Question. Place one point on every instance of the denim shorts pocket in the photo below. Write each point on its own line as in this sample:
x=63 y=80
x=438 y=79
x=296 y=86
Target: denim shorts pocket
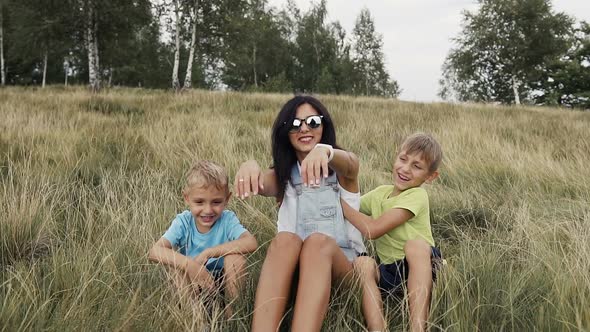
x=323 y=226
x=328 y=211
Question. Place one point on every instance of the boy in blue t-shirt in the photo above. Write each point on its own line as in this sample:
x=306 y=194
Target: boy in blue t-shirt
x=205 y=240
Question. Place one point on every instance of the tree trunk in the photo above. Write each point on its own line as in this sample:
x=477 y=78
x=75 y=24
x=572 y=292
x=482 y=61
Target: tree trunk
x=111 y=70
x=189 y=67
x=254 y=65
x=92 y=46
x=175 y=81
x=44 y=69
x=2 y=69
x=515 y=90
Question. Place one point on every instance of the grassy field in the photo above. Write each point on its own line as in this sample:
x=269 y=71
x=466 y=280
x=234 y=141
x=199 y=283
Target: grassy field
x=88 y=183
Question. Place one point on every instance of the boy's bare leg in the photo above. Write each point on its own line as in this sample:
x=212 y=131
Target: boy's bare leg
x=418 y=254
x=275 y=280
x=234 y=267
x=235 y=271
x=366 y=268
x=203 y=282
x=321 y=261
x=180 y=282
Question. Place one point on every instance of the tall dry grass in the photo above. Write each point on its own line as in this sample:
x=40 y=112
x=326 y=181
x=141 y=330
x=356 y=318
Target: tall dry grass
x=88 y=183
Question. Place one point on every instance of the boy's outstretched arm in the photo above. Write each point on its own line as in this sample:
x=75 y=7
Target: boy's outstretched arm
x=245 y=244
x=373 y=228
x=162 y=252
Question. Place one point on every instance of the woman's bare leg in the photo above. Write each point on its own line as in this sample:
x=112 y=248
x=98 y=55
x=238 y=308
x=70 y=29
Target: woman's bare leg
x=275 y=280
x=321 y=261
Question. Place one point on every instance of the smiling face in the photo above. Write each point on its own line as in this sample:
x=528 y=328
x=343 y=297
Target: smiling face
x=306 y=138
x=206 y=205
x=411 y=170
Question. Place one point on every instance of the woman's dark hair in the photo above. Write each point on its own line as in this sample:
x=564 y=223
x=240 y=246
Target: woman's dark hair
x=283 y=154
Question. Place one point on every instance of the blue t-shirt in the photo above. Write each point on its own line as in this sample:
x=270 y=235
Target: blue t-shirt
x=184 y=236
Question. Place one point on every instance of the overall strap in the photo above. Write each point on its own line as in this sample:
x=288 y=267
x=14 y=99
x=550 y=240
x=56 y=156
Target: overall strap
x=332 y=181
x=296 y=179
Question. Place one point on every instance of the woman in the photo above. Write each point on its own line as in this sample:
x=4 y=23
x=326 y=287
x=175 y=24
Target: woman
x=312 y=233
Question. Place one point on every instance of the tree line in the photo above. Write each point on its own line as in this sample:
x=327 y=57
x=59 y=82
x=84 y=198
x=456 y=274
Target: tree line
x=514 y=52
x=243 y=45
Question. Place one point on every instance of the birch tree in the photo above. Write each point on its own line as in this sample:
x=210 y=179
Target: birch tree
x=2 y=68
x=502 y=50
x=195 y=4
x=94 y=79
x=177 y=31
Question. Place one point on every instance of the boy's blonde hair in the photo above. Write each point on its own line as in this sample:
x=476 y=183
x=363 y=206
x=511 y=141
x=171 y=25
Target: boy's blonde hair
x=427 y=145
x=206 y=173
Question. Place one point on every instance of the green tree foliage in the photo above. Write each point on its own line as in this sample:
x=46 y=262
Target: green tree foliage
x=213 y=21
x=129 y=48
x=315 y=48
x=255 y=49
x=127 y=42
x=369 y=61
x=37 y=30
x=503 y=49
x=567 y=80
x=321 y=53
x=238 y=44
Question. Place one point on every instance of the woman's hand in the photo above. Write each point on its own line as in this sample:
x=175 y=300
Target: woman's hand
x=314 y=166
x=249 y=179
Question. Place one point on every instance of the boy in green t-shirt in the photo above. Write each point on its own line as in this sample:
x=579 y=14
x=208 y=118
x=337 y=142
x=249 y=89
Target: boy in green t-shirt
x=397 y=217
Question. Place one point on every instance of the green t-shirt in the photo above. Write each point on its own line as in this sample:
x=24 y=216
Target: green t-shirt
x=390 y=246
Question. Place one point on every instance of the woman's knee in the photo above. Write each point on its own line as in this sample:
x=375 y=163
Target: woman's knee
x=318 y=245
x=417 y=250
x=285 y=243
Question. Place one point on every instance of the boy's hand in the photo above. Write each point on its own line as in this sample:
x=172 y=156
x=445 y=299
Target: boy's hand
x=201 y=259
x=194 y=267
x=248 y=179
x=198 y=274
x=346 y=209
x=314 y=166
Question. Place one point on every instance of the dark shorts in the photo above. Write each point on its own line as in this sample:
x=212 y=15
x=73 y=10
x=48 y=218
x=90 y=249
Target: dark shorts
x=216 y=270
x=393 y=276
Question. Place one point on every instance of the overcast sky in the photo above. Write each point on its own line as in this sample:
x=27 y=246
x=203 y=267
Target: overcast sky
x=417 y=34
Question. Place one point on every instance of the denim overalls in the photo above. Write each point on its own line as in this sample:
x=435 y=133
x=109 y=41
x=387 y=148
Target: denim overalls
x=319 y=211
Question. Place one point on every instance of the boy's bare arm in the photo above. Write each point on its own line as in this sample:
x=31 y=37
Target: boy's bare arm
x=245 y=244
x=373 y=228
x=162 y=252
